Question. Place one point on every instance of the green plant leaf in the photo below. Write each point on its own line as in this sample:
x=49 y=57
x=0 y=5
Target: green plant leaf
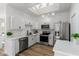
x=9 y=33
x=75 y=35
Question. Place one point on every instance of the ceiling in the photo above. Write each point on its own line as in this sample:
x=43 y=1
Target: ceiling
x=25 y=7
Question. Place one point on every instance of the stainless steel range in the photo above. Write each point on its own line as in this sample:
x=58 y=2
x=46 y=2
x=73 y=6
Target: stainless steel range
x=45 y=32
x=44 y=36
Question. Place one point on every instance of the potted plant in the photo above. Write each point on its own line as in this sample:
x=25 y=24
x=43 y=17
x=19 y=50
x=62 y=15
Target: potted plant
x=75 y=38
x=9 y=33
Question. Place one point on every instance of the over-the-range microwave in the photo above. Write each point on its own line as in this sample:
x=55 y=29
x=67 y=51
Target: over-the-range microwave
x=46 y=26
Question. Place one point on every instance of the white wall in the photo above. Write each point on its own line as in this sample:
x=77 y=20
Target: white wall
x=2 y=10
x=75 y=19
x=2 y=15
x=2 y=20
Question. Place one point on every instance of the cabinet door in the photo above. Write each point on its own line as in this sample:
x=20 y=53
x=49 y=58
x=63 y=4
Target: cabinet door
x=16 y=46
x=30 y=39
x=38 y=38
x=34 y=39
x=1 y=42
x=10 y=47
x=50 y=39
x=15 y=22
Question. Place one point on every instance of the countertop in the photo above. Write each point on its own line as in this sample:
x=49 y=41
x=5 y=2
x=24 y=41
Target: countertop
x=66 y=48
x=19 y=36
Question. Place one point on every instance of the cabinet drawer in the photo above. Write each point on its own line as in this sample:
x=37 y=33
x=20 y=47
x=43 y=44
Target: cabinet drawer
x=30 y=41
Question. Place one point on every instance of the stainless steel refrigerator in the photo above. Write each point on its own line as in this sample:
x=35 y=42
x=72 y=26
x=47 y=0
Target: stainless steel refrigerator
x=65 y=31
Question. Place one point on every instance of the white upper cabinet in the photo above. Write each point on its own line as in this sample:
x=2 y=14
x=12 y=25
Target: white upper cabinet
x=16 y=22
x=15 y=18
x=35 y=26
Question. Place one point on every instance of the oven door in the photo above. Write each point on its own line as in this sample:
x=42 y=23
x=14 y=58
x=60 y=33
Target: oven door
x=43 y=38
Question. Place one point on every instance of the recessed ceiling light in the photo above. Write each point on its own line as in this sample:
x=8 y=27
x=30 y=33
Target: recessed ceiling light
x=43 y=16
x=38 y=6
x=33 y=8
x=53 y=14
x=50 y=4
x=42 y=5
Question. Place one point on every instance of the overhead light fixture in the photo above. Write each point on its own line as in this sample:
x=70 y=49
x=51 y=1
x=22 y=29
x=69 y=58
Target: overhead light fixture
x=38 y=6
x=43 y=16
x=44 y=8
x=50 y=4
x=33 y=8
x=42 y=5
x=52 y=13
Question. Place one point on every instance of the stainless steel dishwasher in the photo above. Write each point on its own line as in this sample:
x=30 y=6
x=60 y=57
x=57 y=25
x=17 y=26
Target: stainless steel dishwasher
x=23 y=43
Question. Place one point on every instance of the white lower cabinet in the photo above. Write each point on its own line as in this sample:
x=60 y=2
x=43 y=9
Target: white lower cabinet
x=16 y=46
x=1 y=42
x=33 y=39
x=37 y=38
x=11 y=47
x=30 y=41
x=51 y=39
